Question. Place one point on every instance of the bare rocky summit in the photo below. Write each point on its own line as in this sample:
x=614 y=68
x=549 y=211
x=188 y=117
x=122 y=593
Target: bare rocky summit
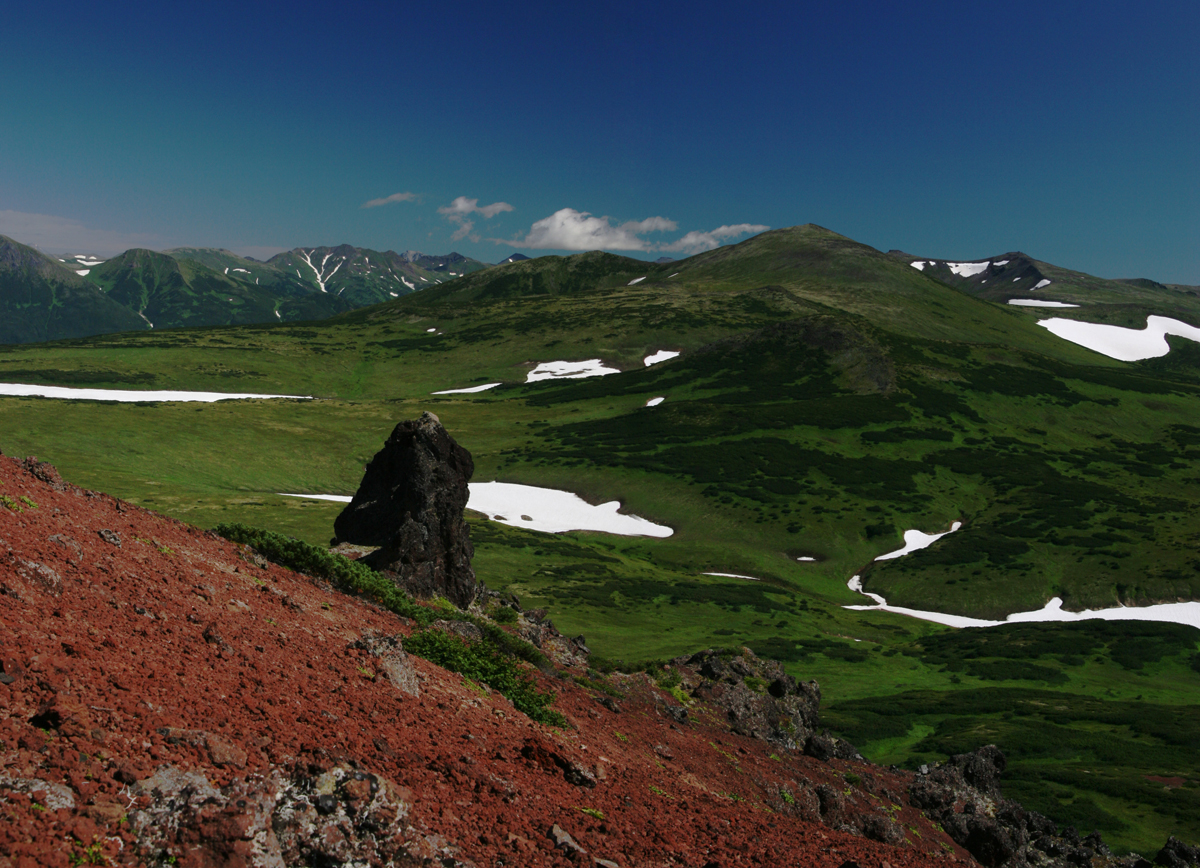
x=410 y=503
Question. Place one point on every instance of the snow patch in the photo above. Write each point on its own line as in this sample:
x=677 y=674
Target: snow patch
x=1037 y=302
x=336 y=498
x=1042 y=283
x=676 y=274
x=482 y=388
x=1167 y=613
x=654 y=402
x=1001 y=262
x=427 y=331
x=569 y=370
x=915 y=539
x=128 y=395
x=636 y=280
x=409 y=285
x=1127 y=345
x=919 y=266
x=968 y=269
x=733 y=576
x=553 y=511
x=81 y=272
x=806 y=559
x=660 y=356
x=243 y=270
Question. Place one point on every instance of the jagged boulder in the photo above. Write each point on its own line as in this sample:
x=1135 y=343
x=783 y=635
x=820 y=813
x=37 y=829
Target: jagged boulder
x=410 y=503
x=759 y=699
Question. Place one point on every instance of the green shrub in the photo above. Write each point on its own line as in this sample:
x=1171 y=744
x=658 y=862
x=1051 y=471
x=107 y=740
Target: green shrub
x=485 y=663
x=344 y=574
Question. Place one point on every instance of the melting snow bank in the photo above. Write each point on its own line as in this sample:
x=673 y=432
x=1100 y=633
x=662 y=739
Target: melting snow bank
x=128 y=395
x=660 y=356
x=855 y=584
x=545 y=509
x=915 y=539
x=1037 y=302
x=1169 y=613
x=1127 y=345
x=482 y=388
x=569 y=370
x=554 y=511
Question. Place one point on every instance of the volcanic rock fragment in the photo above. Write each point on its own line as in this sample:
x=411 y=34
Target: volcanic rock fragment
x=410 y=503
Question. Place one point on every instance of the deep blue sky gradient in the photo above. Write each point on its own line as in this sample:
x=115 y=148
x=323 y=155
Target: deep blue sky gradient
x=957 y=130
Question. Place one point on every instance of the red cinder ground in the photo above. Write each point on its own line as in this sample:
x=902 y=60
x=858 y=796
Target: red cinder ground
x=105 y=648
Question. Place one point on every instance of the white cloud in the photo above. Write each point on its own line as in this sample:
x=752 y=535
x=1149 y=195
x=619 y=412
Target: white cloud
x=63 y=235
x=569 y=229
x=698 y=242
x=460 y=210
x=387 y=200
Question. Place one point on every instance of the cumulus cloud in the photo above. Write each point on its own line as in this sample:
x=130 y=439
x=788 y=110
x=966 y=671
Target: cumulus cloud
x=698 y=242
x=460 y=210
x=569 y=229
x=387 y=200
x=50 y=233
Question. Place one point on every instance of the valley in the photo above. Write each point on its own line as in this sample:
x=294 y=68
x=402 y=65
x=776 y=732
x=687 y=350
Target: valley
x=819 y=398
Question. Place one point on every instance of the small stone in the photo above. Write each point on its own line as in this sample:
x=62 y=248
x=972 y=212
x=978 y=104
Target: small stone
x=110 y=536
x=565 y=842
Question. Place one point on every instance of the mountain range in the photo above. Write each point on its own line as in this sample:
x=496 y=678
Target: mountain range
x=45 y=298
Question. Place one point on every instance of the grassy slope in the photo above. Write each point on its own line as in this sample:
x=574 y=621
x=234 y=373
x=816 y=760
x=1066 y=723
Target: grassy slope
x=894 y=402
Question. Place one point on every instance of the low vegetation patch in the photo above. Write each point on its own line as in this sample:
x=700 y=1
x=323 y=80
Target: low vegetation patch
x=493 y=661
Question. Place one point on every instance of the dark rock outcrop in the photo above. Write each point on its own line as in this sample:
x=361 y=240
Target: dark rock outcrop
x=963 y=795
x=410 y=503
x=759 y=699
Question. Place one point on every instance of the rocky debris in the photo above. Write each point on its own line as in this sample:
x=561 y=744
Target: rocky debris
x=539 y=754
x=824 y=747
x=109 y=536
x=536 y=629
x=1176 y=854
x=339 y=816
x=410 y=503
x=757 y=696
x=45 y=471
x=566 y=843
x=392 y=661
x=963 y=795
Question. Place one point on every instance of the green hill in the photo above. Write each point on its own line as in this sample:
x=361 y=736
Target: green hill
x=41 y=300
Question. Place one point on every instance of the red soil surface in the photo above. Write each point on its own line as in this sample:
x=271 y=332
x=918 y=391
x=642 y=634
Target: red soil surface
x=174 y=649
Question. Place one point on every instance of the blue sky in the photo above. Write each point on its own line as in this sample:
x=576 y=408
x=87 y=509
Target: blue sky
x=955 y=130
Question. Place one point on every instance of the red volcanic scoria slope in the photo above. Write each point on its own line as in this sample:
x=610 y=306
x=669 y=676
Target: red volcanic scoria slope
x=168 y=697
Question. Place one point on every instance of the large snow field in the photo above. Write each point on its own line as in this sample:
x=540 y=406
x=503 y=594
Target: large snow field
x=1127 y=345
x=1037 y=302
x=128 y=395
x=554 y=511
x=569 y=370
x=549 y=510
